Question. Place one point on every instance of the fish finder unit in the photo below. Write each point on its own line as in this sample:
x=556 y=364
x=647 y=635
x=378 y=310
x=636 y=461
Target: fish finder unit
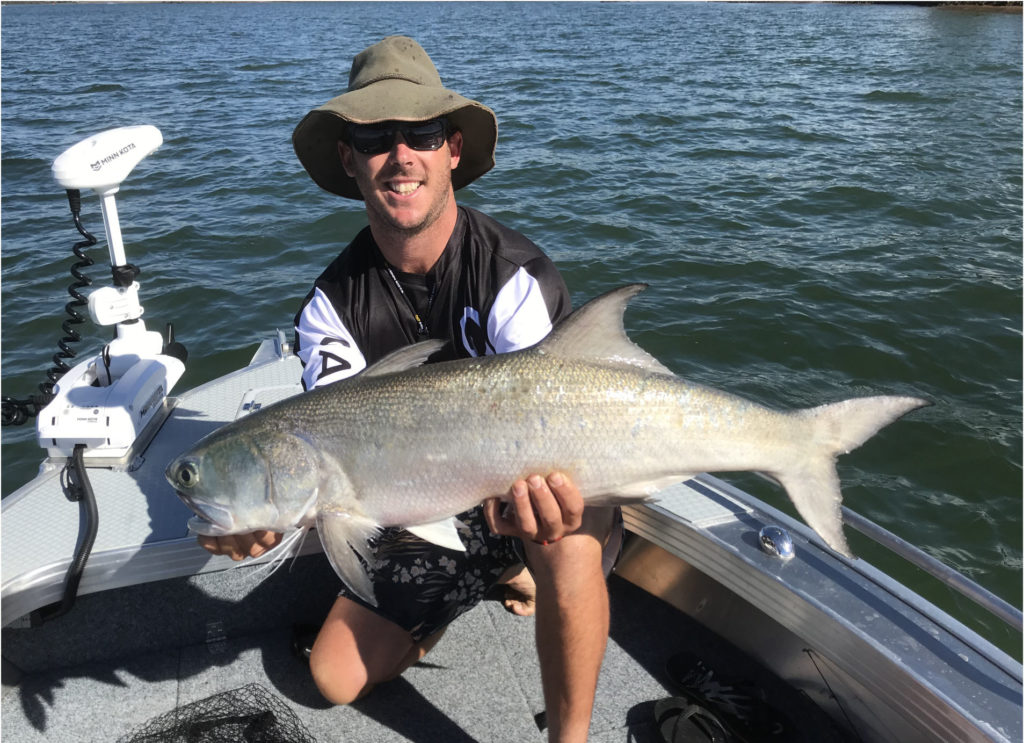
x=107 y=402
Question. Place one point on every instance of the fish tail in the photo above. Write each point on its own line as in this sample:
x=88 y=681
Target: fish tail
x=346 y=539
x=811 y=480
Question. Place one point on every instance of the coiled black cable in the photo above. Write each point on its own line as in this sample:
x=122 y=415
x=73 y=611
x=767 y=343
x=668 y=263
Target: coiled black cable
x=77 y=299
x=78 y=489
x=16 y=412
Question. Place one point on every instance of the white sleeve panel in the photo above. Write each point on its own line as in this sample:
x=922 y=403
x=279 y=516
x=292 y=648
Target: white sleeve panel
x=519 y=316
x=326 y=347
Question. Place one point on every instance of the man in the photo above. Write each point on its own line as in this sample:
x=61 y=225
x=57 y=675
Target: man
x=428 y=268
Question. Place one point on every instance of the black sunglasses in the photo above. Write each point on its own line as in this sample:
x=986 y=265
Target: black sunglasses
x=373 y=139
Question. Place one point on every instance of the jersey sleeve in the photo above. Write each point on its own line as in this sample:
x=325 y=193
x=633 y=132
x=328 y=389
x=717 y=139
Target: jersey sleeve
x=526 y=307
x=324 y=345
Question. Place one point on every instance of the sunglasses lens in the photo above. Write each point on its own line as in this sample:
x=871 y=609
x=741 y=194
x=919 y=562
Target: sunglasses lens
x=370 y=140
x=373 y=140
x=429 y=136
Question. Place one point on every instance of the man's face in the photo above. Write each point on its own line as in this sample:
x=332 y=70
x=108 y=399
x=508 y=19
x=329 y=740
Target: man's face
x=405 y=189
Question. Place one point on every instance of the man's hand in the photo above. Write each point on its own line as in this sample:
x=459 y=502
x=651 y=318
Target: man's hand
x=240 y=546
x=542 y=510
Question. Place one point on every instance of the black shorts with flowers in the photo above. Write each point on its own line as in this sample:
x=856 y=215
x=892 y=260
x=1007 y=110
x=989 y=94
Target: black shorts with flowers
x=422 y=587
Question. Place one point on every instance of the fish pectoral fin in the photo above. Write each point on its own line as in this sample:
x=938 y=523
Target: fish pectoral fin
x=636 y=491
x=346 y=539
x=442 y=533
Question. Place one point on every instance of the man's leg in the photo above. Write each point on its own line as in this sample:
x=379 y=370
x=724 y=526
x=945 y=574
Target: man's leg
x=358 y=649
x=572 y=622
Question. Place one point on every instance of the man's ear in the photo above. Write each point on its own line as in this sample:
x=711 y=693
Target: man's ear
x=455 y=147
x=345 y=154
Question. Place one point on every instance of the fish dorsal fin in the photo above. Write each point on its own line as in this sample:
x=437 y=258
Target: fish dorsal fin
x=595 y=332
x=442 y=533
x=404 y=358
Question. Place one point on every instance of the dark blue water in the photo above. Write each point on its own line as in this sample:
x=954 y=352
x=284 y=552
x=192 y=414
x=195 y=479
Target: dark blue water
x=825 y=200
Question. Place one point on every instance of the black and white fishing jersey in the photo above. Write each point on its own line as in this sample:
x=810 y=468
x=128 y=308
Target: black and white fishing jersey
x=491 y=291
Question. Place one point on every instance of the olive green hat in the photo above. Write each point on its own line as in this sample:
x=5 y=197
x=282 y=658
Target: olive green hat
x=393 y=80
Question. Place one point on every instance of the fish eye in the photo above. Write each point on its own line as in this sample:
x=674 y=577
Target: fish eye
x=188 y=474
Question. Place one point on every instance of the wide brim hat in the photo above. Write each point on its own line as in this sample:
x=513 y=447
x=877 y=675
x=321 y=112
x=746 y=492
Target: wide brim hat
x=393 y=80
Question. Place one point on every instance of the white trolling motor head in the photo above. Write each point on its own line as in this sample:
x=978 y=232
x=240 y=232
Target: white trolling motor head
x=104 y=160
x=101 y=162
x=109 y=401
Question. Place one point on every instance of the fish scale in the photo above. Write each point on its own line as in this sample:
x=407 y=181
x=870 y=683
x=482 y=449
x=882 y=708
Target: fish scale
x=446 y=455
x=413 y=445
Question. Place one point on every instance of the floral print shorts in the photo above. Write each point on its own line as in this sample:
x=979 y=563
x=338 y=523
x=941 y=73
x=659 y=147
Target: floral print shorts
x=423 y=588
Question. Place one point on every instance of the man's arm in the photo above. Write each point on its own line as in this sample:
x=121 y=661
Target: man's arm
x=326 y=348
x=572 y=596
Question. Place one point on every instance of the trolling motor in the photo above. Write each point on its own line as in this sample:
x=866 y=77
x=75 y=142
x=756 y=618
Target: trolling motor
x=101 y=408
x=103 y=405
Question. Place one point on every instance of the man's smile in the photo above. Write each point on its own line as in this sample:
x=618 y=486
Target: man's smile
x=404 y=188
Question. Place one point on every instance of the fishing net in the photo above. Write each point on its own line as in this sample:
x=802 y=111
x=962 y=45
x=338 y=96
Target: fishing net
x=249 y=714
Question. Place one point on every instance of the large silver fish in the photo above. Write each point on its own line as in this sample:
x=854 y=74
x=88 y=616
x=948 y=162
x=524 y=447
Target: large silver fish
x=411 y=445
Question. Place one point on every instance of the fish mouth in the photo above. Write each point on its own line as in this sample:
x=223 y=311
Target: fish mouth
x=199 y=526
x=209 y=520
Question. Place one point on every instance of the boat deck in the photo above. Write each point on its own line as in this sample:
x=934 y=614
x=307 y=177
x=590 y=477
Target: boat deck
x=481 y=683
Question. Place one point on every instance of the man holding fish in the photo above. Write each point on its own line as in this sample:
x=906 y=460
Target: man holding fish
x=426 y=268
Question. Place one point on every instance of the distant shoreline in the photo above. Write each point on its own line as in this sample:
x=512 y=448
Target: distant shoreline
x=999 y=6
x=1004 y=6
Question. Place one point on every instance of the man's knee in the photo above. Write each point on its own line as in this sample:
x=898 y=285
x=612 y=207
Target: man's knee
x=340 y=679
x=350 y=649
x=358 y=649
x=335 y=688
x=599 y=521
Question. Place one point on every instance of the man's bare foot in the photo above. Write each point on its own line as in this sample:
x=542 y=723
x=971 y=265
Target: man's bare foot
x=520 y=591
